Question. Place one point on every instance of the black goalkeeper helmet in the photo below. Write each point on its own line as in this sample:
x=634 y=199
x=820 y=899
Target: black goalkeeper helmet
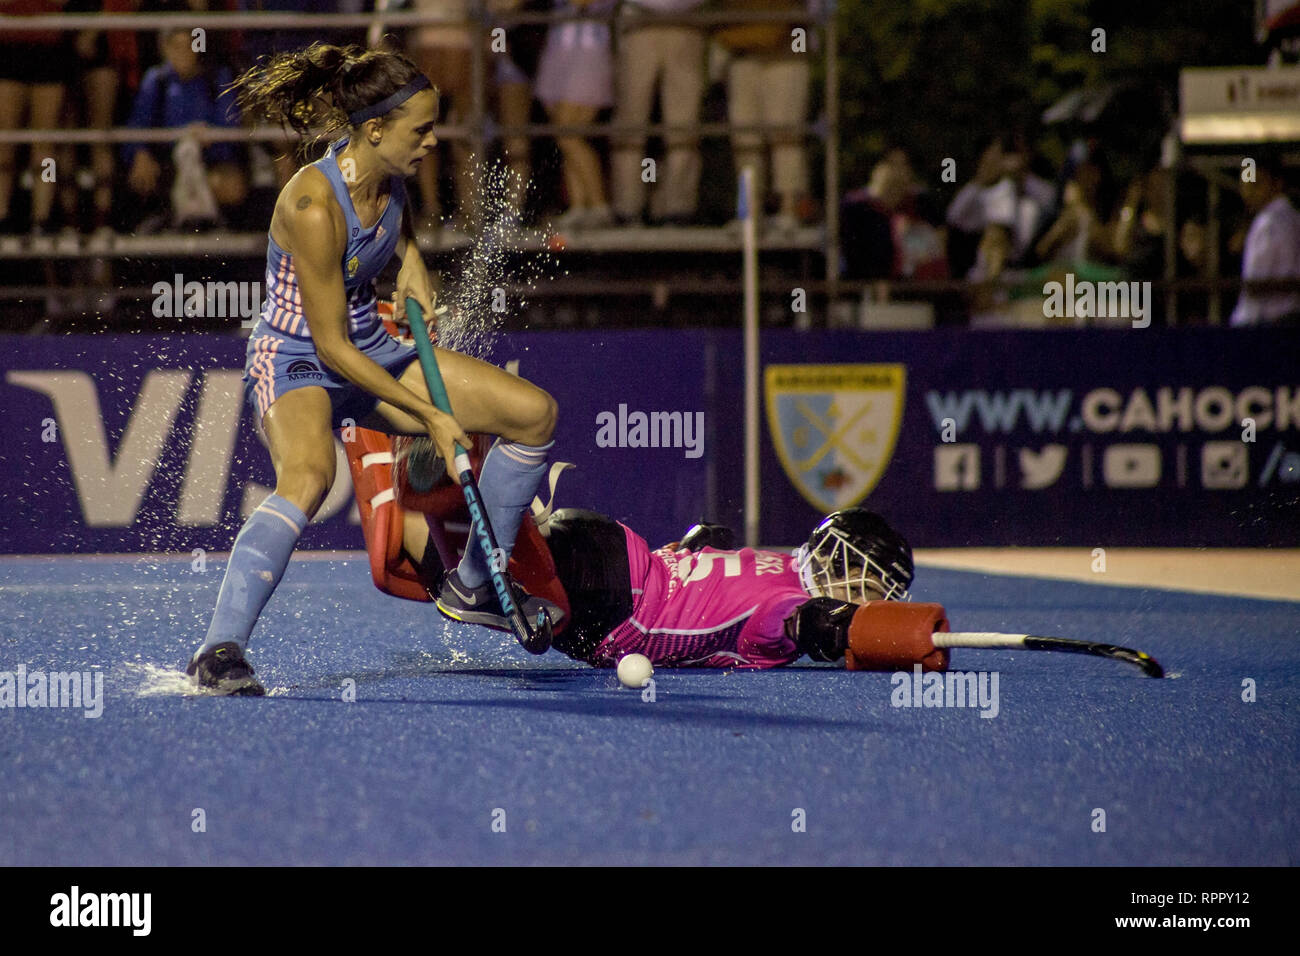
x=855 y=556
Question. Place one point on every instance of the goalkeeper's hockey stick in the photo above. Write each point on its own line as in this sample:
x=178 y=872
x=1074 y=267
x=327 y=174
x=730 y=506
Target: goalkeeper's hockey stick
x=1149 y=665
x=534 y=640
x=888 y=635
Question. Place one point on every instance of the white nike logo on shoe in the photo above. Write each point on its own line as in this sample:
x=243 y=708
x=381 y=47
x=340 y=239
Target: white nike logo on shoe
x=468 y=597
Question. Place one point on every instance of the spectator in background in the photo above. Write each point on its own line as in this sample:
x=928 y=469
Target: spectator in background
x=514 y=99
x=1272 y=249
x=668 y=61
x=442 y=51
x=147 y=42
x=919 y=197
x=885 y=235
x=1080 y=232
x=992 y=255
x=1004 y=193
x=94 y=105
x=1139 y=228
x=182 y=91
x=272 y=164
x=33 y=71
x=990 y=300
x=575 y=81
x=768 y=84
x=1138 y=239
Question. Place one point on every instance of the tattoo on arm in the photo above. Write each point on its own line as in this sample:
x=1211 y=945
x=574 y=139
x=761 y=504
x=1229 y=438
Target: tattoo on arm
x=304 y=202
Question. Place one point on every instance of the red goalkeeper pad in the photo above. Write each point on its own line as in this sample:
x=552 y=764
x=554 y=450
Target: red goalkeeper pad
x=370 y=461
x=894 y=635
x=448 y=518
x=384 y=498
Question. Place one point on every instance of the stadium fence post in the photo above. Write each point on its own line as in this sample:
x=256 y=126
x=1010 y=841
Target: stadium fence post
x=747 y=206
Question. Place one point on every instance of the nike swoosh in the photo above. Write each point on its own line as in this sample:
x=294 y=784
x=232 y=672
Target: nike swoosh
x=471 y=599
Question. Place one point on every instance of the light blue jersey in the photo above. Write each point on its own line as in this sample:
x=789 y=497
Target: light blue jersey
x=367 y=252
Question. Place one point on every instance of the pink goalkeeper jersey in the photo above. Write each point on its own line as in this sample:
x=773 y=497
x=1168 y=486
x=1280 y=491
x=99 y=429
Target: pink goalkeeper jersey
x=707 y=608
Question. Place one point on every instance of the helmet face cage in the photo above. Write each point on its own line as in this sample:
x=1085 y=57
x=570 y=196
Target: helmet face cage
x=830 y=561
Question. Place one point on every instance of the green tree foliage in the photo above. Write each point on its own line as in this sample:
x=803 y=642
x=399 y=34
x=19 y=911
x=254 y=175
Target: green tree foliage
x=937 y=76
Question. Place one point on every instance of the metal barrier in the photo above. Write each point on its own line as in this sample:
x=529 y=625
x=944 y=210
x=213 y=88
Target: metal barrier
x=649 y=302
x=480 y=130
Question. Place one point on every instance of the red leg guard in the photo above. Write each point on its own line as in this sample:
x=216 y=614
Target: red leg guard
x=370 y=459
x=384 y=497
x=444 y=504
x=894 y=635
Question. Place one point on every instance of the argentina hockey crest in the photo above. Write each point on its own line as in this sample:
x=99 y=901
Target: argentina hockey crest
x=834 y=427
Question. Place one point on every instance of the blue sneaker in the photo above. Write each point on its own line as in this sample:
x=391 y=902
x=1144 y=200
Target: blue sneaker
x=480 y=605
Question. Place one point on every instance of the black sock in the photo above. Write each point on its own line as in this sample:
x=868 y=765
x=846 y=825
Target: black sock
x=430 y=568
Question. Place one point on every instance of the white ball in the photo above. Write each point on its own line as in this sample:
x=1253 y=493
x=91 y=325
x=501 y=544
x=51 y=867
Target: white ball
x=635 y=670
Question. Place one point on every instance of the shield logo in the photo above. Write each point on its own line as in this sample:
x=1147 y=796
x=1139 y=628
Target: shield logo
x=834 y=427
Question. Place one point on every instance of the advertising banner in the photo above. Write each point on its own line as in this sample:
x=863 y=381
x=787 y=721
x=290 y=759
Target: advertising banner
x=1074 y=437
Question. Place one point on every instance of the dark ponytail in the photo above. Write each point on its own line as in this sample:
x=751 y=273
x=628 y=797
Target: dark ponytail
x=321 y=85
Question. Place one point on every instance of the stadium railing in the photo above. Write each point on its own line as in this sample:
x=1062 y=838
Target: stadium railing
x=480 y=129
x=809 y=247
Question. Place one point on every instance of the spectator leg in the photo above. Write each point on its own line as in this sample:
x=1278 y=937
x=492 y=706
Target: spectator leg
x=426 y=177
x=683 y=91
x=47 y=102
x=582 y=169
x=101 y=97
x=638 y=72
x=745 y=95
x=449 y=68
x=67 y=191
x=457 y=77
x=13 y=104
x=514 y=103
x=786 y=85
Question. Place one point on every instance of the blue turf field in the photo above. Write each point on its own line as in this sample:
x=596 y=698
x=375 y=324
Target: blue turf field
x=452 y=722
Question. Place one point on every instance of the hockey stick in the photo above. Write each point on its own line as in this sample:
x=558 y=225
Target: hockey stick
x=536 y=641
x=1149 y=665
x=892 y=635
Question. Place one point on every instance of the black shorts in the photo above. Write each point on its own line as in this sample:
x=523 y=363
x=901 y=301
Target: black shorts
x=38 y=65
x=590 y=552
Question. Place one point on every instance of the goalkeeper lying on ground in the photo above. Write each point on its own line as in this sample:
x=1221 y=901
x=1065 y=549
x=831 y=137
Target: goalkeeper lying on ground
x=699 y=603
x=693 y=603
